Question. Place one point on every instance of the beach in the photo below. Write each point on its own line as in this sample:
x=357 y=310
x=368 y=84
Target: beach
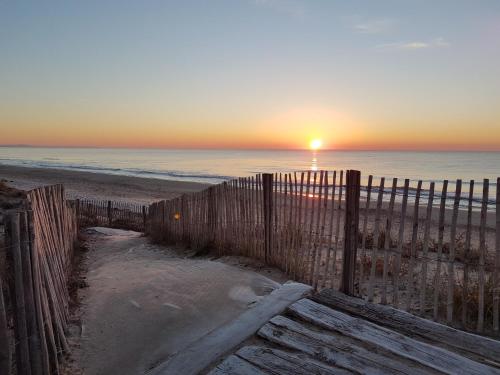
x=100 y=186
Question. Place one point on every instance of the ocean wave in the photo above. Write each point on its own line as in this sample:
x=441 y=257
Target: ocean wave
x=135 y=172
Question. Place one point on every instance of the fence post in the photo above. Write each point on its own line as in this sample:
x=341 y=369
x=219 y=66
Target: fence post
x=211 y=213
x=496 y=277
x=144 y=218
x=78 y=212
x=110 y=214
x=351 y=228
x=13 y=241
x=5 y=355
x=267 y=189
x=29 y=297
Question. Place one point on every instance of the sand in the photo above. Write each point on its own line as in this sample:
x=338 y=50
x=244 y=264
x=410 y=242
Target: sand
x=98 y=185
x=146 y=302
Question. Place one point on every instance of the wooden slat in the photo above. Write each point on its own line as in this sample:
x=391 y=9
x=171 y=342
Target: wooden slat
x=482 y=255
x=496 y=278
x=337 y=225
x=388 y=239
x=476 y=347
x=430 y=356
x=234 y=365
x=376 y=234
x=300 y=215
x=320 y=227
x=335 y=350
x=437 y=278
x=413 y=246
x=397 y=265
x=21 y=329
x=29 y=299
x=467 y=248
x=291 y=218
x=451 y=255
x=310 y=217
x=330 y=235
x=425 y=250
x=5 y=353
x=365 y=228
x=286 y=363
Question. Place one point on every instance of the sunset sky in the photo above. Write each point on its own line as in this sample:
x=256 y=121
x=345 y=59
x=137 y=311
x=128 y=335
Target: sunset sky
x=251 y=74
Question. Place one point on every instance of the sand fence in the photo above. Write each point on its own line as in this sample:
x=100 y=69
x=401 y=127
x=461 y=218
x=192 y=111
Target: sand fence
x=39 y=240
x=425 y=247
x=112 y=214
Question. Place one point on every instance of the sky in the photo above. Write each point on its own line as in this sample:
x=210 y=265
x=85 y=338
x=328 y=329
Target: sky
x=420 y=75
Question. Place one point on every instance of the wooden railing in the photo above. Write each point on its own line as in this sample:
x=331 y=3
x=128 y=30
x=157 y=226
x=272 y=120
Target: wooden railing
x=435 y=253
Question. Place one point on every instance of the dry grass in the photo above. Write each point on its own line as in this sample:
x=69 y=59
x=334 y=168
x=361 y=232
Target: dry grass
x=471 y=302
x=379 y=266
x=9 y=197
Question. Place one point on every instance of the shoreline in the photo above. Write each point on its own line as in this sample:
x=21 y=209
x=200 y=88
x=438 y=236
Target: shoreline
x=101 y=186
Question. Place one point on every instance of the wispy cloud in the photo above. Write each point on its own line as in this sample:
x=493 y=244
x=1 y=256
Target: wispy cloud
x=290 y=7
x=414 y=45
x=374 y=26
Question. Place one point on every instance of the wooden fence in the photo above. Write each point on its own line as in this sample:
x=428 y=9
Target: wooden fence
x=39 y=243
x=435 y=253
x=111 y=214
x=433 y=249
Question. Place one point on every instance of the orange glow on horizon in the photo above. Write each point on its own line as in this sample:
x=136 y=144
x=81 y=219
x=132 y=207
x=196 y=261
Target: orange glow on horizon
x=328 y=129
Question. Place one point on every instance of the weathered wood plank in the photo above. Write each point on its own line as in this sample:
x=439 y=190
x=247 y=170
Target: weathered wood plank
x=285 y=363
x=335 y=350
x=473 y=346
x=330 y=236
x=451 y=254
x=413 y=246
x=467 y=248
x=387 y=242
x=376 y=234
x=397 y=265
x=234 y=365
x=21 y=329
x=5 y=354
x=425 y=250
x=482 y=255
x=436 y=358
x=365 y=228
x=437 y=277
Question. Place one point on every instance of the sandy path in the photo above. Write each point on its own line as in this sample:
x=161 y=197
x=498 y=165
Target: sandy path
x=144 y=303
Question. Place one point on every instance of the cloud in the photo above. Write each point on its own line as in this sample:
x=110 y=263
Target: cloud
x=414 y=45
x=375 y=26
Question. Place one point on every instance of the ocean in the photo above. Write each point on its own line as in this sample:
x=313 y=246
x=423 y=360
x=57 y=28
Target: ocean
x=214 y=166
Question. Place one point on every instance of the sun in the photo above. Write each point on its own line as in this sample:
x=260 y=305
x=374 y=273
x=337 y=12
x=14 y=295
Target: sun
x=315 y=144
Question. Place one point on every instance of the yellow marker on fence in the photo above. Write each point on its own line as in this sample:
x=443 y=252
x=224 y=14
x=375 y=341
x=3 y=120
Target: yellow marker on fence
x=177 y=216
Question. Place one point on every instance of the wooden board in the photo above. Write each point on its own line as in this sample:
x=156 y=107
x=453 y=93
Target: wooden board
x=476 y=347
x=234 y=365
x=433 y=357
x=334 y=350
x=286 y=363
